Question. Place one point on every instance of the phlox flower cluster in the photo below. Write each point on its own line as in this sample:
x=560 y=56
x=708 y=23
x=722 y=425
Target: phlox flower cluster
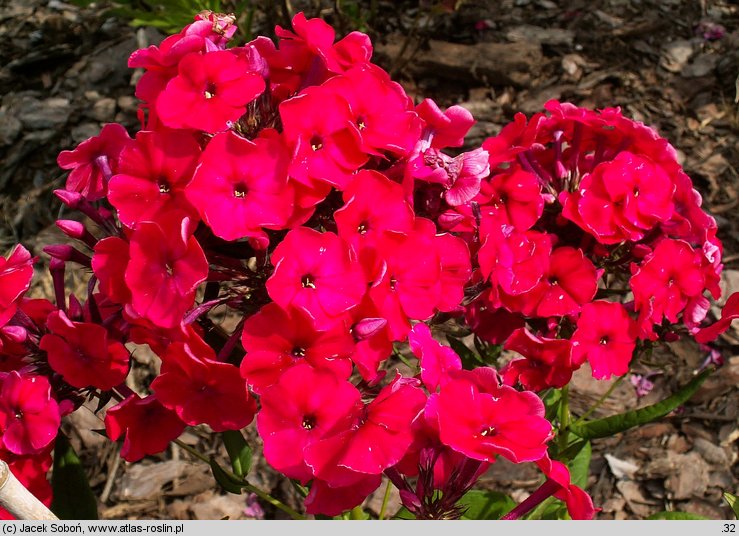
x=299 y=187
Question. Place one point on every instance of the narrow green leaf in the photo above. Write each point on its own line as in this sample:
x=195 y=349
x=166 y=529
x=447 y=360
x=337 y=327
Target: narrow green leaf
x=618 y=423
x=225 y=480
x=469 y=358
x=239 y=452
x=404 y=513
x=733 y=502
x=486 y=504
x=674 y=516
x=551 y=403
x=549 y=509
x=580 y=466
x=73 y=498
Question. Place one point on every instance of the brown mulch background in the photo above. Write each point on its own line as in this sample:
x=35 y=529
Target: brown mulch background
x=669 y=63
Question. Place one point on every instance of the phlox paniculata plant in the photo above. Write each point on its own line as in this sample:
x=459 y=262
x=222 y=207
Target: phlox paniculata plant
x=298 y=186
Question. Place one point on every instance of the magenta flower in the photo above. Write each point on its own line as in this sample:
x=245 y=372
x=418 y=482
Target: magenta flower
x=482 y=424
x=314 y=272
x=547 y=361
x=448 y=128
x=276 y=340
x=622 y=199
x=16 y=272
x=202 y=390
x=109 y=266
x=333 y=500
x=378 y=439
x=148 y=426
x=209 y=91
x=94 y=161
x=515 y=198
x=29 y=416
x=729 y=313
x=380 y=109
x=82 y=353
x=606 y=337
x=435 y=360
x=319 y=127
x=152 y=176
x=241 y=186
x=304 y=405
x=166 y=265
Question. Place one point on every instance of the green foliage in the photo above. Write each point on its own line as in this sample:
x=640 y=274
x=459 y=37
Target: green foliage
x=486 y=504
x=615 y=424
x=404 y=513
x=733 y=502
x=73 y=498
x=239 y=452
x=224 y=479
x=580 y=466
x=674 y=516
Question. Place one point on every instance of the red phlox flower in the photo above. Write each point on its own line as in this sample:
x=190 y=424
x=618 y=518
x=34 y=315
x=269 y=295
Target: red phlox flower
x=152 y=176
x=316 y=273
x=408 y=286
x=447 y=128
x=547 y=361
x=456 y=271
x=460 y=176
x=622 y=199
x=202 y=390
x=333 y=500
x=94 y=161
x=579 y=504
x=515 y=261
x=16 y=272
x=380 y=108
x=606 y=337
x=492 y=324
x=31 y=472
x=514 y=198
x=29 y=416
x=514 y=138
x=378 y=439
x=305 y=405
x=148 y=426
x=666 y=281
x=435 y=360
x=83 y=354
x=109 y=266
x=209 y=91
x=166 y=266
x=241 y=186
x=373 y=342
x=208 y=33
x=729 y=313
x=277 y=339
x=570 y=281
x=372 y=204
x=319 y=127
x=483 y=424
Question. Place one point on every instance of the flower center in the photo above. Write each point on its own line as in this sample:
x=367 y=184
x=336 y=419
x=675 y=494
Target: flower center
x=362 y=228
x=488 y=432
x=210 y=90
x=307 y=281
x=298 y=352
x=164 y=187
x=240 y=191
x=316 y=143
x=309 y=422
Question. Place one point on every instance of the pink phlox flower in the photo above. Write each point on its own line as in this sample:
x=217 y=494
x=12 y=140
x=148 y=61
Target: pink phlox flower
x=447 y=128
x=333 y=500
x=29 y=416
x=579 y=503
x=148 y=426
x=461 y=176
x=513 y=198
x=729 y=313
x=16 y=272
x=83 y=353
x=94 y=161
x=546 y=363
x=109 y=263
x=435 y=360
x=202 y=390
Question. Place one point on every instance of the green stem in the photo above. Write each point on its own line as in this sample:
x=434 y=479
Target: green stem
x=385 y=500
x=357 y=513
x=261 y=494
x=600 y=401
x=564 y=418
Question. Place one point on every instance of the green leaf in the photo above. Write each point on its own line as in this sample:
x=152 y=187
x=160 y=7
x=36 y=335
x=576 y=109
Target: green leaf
x=469 y=358
x=73 y=498
x=226 y=481
x=550 y=508
x=618 y=423
x=733 y=502
x=239 y=452
x=674 y=516
x=404 y=513
x=486 y=504
x=580 y=466
x=551 y=403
